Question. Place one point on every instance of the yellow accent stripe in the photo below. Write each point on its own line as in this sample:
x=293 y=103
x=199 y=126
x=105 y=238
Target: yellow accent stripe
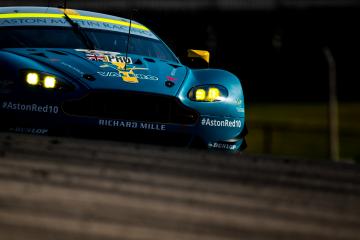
x=78 y=17
x=106 y=20
x=31 y=15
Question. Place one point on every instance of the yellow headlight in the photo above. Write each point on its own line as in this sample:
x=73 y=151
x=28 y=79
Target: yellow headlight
x=32 y=78
x=213 y=94
x=49 y=82
x=200 y=94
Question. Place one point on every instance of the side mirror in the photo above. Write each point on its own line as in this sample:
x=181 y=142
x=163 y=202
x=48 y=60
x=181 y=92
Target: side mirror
x=197 y=58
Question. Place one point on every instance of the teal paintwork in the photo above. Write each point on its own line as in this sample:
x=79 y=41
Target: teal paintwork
x=220 y=124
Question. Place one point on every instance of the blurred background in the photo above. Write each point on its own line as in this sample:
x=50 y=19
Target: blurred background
x=285 y=52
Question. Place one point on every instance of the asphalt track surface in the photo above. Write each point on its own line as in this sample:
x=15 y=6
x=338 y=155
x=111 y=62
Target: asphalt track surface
x=60 y=188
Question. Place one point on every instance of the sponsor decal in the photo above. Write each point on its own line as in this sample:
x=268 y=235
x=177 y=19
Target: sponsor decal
x=129 y=76
x=40 y=131
x=173 y=72
x=24 y=21
x=41 y=19
x=239 y=105
x=222 y=146
x=240 y=109
x=109 y=58
x=30 y=107
x=170 y=78
x=238 y=101
x=105 y=56
x=221 y=123
x=117 y=62
x=6 y=85
x=132 y=124
x=94 y=57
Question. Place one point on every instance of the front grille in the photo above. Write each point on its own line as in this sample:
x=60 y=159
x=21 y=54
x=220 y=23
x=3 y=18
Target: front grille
x=132 y=106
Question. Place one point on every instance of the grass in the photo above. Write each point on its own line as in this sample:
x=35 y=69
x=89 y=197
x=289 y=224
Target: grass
x=301 y=129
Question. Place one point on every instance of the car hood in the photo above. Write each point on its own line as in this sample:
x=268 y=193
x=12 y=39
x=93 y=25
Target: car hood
x=106 y=70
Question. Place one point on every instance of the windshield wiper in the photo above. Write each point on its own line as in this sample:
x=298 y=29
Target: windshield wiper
x=80 y=33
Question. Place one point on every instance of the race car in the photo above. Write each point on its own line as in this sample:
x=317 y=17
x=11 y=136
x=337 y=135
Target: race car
x=67 y=72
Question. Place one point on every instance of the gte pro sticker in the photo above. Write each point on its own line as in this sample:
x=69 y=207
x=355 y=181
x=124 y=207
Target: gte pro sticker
x=109 y=58
x=30 y=107
x=221 y=123
x=105 y=56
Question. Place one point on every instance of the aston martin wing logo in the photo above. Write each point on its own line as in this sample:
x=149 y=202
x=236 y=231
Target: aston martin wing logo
x=127 y=74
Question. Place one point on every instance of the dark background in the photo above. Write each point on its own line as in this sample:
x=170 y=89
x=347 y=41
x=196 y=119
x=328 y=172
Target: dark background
x=278 y=54
x=274 y=47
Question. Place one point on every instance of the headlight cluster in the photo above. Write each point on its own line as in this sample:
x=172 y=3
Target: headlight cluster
x=36 y=79
x=208 y=93
x=43 y=80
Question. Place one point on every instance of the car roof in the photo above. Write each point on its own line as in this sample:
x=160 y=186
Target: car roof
x=50 y=16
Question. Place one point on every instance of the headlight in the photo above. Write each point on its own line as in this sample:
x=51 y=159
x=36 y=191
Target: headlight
x=208 y=93
x=49 y=82
x=32 y=78
x=44 y=80
x=200 y=94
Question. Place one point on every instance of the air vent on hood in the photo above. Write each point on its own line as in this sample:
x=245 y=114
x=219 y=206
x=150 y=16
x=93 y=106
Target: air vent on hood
x=149 y=60
x=174 y=65
x=57 y=52
x=138 y=62
x=40 y=54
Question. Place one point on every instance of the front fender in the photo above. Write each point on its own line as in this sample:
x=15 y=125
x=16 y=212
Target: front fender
x=232 y=106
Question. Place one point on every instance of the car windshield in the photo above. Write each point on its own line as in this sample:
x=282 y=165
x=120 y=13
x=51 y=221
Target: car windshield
x=64 y=37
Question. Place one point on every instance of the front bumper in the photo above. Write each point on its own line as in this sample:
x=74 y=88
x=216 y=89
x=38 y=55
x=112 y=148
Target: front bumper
x=50 y=119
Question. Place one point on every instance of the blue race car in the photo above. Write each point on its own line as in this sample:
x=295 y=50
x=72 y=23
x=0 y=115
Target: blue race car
x=79 y=73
